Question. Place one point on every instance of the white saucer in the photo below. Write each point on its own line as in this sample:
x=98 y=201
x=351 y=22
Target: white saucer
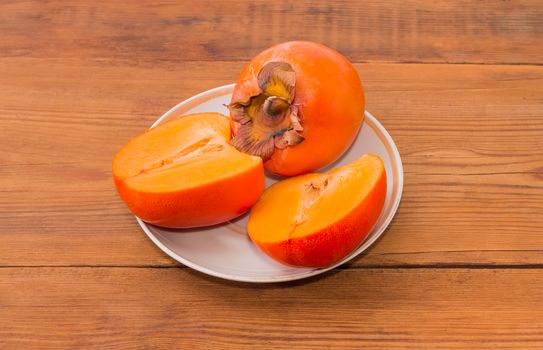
x=226 y=251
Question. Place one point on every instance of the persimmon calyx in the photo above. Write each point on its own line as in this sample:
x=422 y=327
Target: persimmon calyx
x=269 y=119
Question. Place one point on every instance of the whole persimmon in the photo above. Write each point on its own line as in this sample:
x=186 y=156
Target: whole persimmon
x=298 y=106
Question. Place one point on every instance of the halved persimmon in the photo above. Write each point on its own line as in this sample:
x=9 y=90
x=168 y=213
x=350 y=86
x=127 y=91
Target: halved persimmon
x=315 y=220
x=184 y=173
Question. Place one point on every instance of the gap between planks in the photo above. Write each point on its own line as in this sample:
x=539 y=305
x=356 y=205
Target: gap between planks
x=240 y=60
x=444 y=266
x=489 y=63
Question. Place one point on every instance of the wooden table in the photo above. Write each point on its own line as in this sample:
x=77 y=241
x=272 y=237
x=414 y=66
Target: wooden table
x=459 y=85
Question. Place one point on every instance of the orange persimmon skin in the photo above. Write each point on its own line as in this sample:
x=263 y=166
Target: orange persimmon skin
x=334 y=242
x=329 y=95
x=201 y=206
x=167 y=198
x=330 y=245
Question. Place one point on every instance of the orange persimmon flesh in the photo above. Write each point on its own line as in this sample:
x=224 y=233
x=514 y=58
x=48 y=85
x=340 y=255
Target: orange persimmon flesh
x=184 y=173
x=315 y=220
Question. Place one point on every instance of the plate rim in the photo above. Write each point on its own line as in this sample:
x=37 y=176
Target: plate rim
x=226 y=89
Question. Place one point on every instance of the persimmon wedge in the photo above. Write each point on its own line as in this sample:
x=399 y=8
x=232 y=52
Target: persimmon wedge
x=315 y=220
x=184 y=173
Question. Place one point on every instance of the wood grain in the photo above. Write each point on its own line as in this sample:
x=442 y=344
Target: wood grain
x=470 y=136
x=134 y=308
x=148 y=32
x=460 y=267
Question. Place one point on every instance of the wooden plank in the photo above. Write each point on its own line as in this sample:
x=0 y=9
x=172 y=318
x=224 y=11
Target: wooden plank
x=134 y=308
x=147 y=32
x=471 y=139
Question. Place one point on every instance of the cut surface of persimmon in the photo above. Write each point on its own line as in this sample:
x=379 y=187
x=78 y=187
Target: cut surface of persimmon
x=315 y=220
x=184 y=173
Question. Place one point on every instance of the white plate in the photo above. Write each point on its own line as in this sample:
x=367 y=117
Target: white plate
x=226 y=251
